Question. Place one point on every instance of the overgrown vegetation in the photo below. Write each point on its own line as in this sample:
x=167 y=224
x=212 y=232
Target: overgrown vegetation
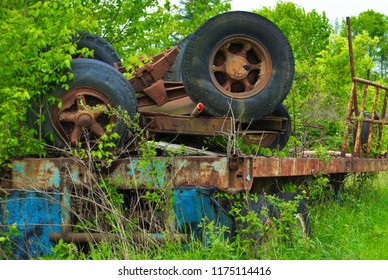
x=355 y=228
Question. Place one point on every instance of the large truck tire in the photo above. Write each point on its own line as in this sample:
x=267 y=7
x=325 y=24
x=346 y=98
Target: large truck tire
x=276 y=141
x=365 y=129
x=281 y=139
x=82 y=113
x=174 y=72
x=302 y=214
x=103 y=51
x=238 y=63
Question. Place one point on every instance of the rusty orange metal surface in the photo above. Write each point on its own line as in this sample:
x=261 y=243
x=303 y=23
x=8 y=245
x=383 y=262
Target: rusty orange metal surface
x=82 y=108
x=234 y=174
x=44 y=174
x=227 y=174
x=282 y=167
x=153 y=71
x=261 y=132
x=164 y=123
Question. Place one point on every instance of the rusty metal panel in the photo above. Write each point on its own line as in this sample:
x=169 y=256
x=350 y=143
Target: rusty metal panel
x=280 y=167
x=185 y=124
x=153 y=71
x=138 y=173
x=230 y=174
x=208 y=172
x=205 y=171
x=41 y=174
x=45 y=174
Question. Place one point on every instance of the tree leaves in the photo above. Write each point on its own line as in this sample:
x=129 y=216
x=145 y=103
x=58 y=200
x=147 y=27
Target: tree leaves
x=322 y=83
x=35 y=48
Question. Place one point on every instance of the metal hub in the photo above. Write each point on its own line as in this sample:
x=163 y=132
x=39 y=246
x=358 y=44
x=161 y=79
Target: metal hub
x=85 y=120
x=240 y=66
x=84 y=109
x=236 y=66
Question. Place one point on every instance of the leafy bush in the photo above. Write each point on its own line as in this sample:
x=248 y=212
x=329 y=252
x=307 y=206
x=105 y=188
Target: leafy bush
x=36 y=48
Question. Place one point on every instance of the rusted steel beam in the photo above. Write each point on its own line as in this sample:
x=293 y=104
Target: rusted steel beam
x=135 y=173
x=348 y=129
x=207 y=126
x=357 y=145
x=370 y=132
x=157 y=92
x=270 y=123
x=174 y=91
x=352 y=104
x=153 y=71
x=359 y=115
x=231 y=175
x=77 y=237
x=370 y=83
x=284 y=167
x=381 y=126
x=351 y=60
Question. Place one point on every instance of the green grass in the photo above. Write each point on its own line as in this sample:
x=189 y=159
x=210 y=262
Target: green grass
x=357 y=228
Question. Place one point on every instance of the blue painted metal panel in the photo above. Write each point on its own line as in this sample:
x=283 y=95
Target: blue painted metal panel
x=196 y=205
x=138 y=173
x=36 y=215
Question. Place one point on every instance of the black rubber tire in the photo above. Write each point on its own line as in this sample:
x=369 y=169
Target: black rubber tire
x=365 y=128
x=302 y=210
x=263 y=209
x=282 y=139
x=197 y=77
x=103 y=50
x=174 y=72
x=263 y=204
x=97 y=75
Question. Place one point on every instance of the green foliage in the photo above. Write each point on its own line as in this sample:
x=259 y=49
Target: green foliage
x=102 y=152
x=64 y=251
x=376 y=25
x=191 y=14
x=16 y=139
x=36 y=47
x=133 y=27
x=287 y=226
x=145 y=27
x=319 y=189
x=5 y=240
x=308 y=33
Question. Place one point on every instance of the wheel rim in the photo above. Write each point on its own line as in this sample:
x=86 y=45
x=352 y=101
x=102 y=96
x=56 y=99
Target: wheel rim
x=262 y=140
x=240 y=66
x=301 y=226
x=83 y=112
